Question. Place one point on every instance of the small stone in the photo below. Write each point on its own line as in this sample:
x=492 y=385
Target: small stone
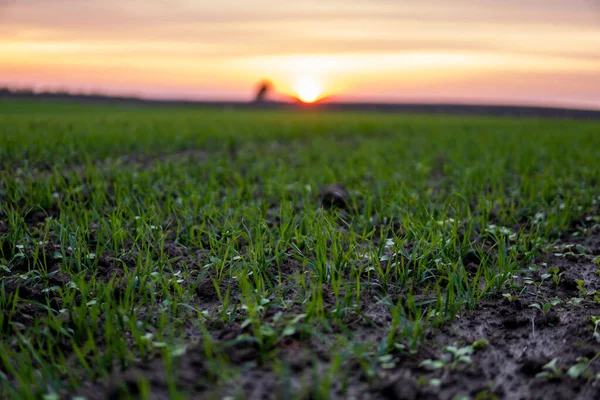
x=334 y=196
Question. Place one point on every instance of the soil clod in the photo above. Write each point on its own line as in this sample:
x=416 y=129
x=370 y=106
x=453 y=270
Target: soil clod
x=334 y=196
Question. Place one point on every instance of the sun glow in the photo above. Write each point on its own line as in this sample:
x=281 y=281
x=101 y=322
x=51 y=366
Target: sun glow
x=308 y=90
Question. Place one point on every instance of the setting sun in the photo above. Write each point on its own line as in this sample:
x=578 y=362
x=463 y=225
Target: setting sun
x=308 y=90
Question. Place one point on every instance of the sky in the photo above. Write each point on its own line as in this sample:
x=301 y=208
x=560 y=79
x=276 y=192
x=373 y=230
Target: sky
x=544 y=52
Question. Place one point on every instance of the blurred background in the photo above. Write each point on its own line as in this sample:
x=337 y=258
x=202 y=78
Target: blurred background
x=534 y=52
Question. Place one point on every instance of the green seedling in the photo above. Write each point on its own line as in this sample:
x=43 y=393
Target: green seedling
x=596 y=321
x=581 y=288
x=457 y=356
x=551 y=371
x=581 y=368
x=555 y=274
x=544 y=308
x=510 y=297
x=576 y=301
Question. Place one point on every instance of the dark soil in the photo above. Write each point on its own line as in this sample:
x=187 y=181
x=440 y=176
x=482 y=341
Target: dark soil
x=521 y=341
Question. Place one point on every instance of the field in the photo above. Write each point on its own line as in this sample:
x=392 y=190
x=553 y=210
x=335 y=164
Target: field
x=188 y=253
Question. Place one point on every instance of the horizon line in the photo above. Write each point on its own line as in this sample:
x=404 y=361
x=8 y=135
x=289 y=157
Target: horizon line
x=325 y=104
x=283 y=99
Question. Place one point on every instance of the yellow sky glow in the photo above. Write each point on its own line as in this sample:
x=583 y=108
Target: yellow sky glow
x=541 y=52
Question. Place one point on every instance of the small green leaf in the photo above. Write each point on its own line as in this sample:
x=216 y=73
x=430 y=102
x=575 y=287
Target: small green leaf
x=297 y=319
x=246 y=322
x=288 y=331
x=480 y=344
x=277 y=316
x=435 y=382
x=463 y=351
x=386 y=358
x=577 y=370
x=554 y=270
x=266 y=330
x=551 y=366
x=555 y=301
x=178 y=351
x=465 y=360
x=432 y=364
x=400 y=346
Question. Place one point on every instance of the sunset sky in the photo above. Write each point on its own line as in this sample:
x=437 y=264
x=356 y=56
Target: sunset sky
x=512 y=51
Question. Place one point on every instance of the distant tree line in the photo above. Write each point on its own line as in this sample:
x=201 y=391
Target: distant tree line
x=28 y=92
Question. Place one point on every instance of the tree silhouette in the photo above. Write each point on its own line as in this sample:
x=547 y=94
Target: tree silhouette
x=262 y=90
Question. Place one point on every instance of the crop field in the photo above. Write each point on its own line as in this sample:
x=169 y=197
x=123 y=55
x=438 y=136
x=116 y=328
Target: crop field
x=227 y=254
